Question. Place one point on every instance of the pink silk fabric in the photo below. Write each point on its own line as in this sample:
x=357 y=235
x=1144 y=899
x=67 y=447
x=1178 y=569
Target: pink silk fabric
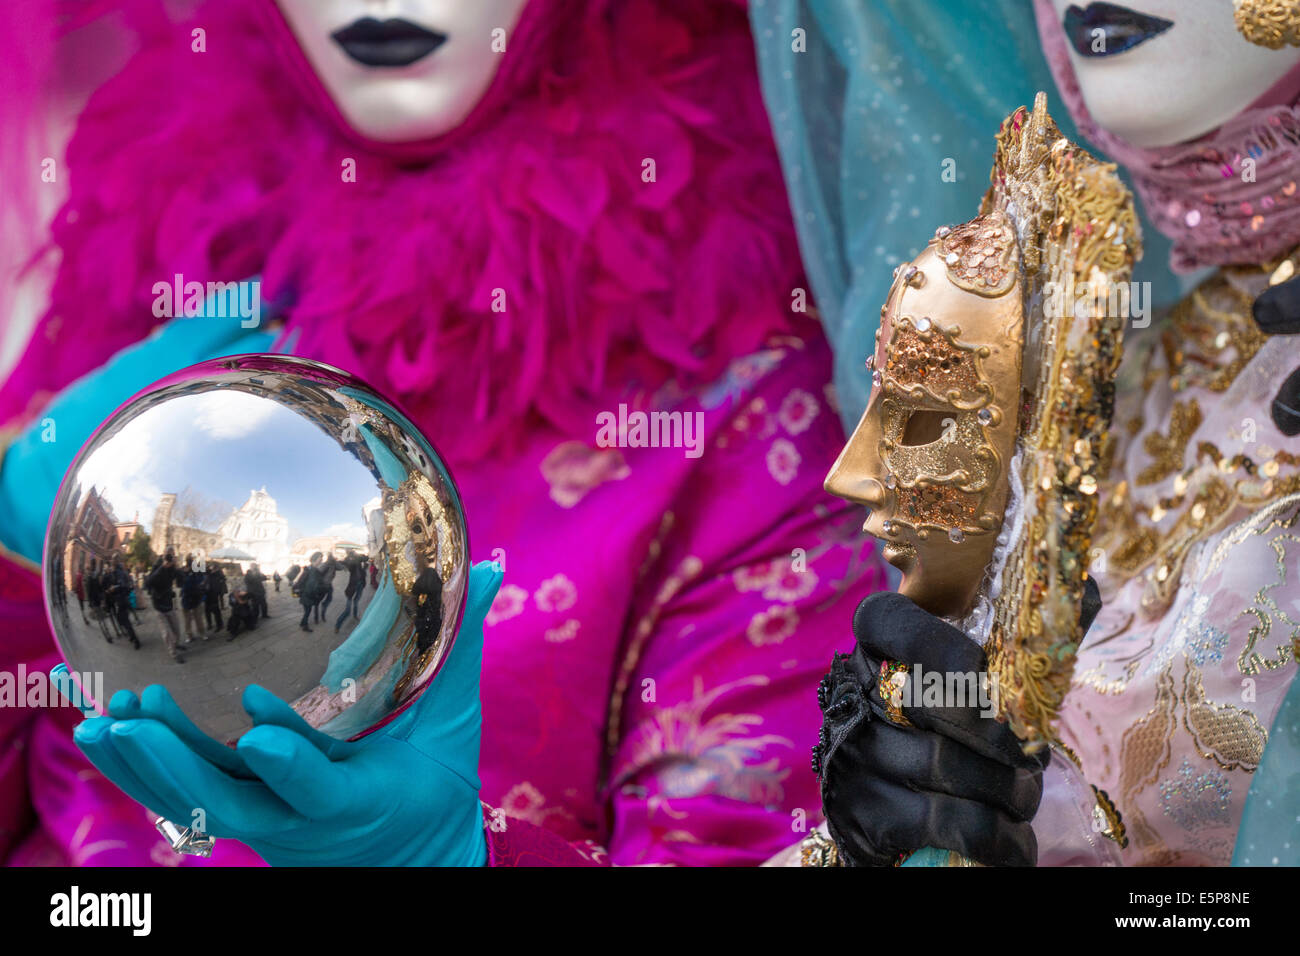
x=650 y=663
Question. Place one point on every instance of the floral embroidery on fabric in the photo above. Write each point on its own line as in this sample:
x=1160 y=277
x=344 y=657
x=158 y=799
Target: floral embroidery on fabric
x=797 y=412
x=773 y=625
x=509 y=602
x=783 y=461
x=741 y=376
x=756 y=576
x=572 y=469
x=1193 y=800
x=789 y=585
x=565 y=632
x=556 y=593
x=525 y=802
x=717 y=754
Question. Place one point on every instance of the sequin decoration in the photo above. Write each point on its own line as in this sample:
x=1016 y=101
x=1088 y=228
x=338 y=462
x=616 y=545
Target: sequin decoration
x=1196 y=801
x=981 y=255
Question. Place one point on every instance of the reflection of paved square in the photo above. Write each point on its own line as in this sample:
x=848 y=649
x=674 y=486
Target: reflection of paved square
x=210 y=684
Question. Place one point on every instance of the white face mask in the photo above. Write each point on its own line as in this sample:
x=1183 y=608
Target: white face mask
x=1179 y=71
x=403 y=70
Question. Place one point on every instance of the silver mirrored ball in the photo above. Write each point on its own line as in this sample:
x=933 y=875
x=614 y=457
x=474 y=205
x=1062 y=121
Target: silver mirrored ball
x=258 y=519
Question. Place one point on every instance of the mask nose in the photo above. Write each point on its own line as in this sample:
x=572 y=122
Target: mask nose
x=856 y=488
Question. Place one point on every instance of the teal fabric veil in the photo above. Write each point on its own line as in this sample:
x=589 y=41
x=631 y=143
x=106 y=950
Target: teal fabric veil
x=884 y=112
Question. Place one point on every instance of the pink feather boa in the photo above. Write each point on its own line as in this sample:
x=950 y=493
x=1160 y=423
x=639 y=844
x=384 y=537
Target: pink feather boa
x=216 y=166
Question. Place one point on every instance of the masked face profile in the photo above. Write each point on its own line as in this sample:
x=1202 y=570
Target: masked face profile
x=403 y=70
x=930 y=456
x=1190 y=60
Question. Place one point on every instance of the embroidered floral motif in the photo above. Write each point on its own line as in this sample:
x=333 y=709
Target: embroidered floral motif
x=783 y=461
x=525 y=802
x=773 y=625
x=565 y=632
x=789 y=585
x=756 y=576
x=509 y=602
x=1196 y=801
x=573 y=469
x=797 y=412
x=720 y=754
x=557 y=593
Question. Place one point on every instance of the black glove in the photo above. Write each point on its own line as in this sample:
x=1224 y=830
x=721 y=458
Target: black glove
x=1277 y=312
x=956 y=779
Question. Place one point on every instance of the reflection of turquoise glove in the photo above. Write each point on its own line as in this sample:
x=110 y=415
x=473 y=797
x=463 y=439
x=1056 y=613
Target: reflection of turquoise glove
x=34 y=466
x=406 y=795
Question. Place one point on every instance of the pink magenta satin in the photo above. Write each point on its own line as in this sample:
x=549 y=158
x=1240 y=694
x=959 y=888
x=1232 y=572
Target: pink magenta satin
x=1196 y=193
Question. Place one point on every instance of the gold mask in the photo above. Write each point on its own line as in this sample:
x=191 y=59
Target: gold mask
x=988 y=393
x=930 y=456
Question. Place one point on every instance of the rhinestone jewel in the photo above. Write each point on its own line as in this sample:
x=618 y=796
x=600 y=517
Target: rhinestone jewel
x=876 y=378
x=956 y=535
x=952 y=258
x=985 y=416
x=890 y=527
x=891 y=481
x=923 y=324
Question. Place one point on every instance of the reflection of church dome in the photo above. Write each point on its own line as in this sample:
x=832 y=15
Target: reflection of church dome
x=258 y=528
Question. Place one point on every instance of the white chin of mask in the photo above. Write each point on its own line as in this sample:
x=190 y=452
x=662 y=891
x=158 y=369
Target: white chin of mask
x=403 y=70
x=1181 y=83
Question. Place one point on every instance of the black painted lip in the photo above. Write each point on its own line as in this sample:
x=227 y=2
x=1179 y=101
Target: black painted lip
x=395 y=42
x=1122 y=28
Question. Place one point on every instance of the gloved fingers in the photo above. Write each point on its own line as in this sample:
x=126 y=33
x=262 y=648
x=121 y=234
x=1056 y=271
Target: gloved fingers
x=1277 y=309
x=974 y=725
x=448 y=710
x=909 y=820
x=1286 y=405
x=124 y=705
x=94 y=739
x=982 y=833
x=157 y=703
x=61 y=679
x=931 y=762
x=268 y=710
x=181 y=782
x=1090 y=606
x=297 y=771
x=890 y=626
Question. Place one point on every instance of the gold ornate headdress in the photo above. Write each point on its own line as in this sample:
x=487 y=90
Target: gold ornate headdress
x=1268 y=23
x=1079 y=237
x=981 y=447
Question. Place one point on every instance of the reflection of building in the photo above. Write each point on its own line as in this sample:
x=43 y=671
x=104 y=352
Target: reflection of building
x=127 y=530
x=181 y=539
x=93 y=537
x=257 y=527
x=326 y=544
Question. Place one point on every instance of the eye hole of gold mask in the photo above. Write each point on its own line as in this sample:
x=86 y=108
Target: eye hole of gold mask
x=926 y=427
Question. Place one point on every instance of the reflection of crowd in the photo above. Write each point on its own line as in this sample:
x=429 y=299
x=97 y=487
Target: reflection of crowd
x=202 y=587
x=110 y=592
x=314 y=587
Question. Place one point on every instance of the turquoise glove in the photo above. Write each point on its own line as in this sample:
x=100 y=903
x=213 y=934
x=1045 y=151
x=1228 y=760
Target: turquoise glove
x=407 y=795
x=33 y=466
